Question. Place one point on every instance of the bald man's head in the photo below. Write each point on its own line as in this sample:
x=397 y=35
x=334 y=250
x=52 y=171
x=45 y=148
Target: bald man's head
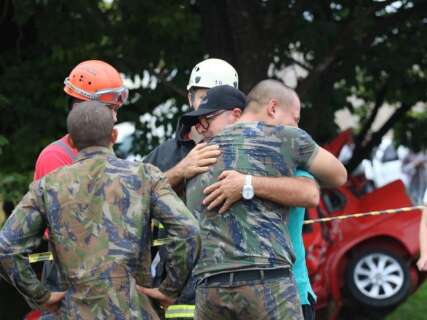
x=271 y=96
x=269 y=89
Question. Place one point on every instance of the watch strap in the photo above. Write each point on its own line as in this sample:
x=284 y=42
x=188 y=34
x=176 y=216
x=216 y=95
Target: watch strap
x=248 y=180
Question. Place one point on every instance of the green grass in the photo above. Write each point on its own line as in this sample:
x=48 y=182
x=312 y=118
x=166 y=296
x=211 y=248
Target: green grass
x=415 y=308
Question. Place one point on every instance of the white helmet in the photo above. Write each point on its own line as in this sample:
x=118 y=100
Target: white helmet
x=211 y=73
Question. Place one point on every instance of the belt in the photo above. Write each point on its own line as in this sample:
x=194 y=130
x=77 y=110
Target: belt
x=247 y=275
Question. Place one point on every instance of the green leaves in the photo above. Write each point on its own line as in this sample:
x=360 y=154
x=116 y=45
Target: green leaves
x=3 y=142
x=411 y=130
x=367 y=50
x=13 y=186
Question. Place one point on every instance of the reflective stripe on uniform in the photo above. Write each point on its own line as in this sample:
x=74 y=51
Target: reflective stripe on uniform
x=157 y=224
x=37 y=257
x=160 y=242
x=180 y=311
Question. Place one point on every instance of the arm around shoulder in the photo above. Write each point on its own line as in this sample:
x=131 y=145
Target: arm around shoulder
x=195 y=162
x=288 y=191
x=328 y=170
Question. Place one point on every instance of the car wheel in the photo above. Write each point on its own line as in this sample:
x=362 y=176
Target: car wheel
x=378 y=278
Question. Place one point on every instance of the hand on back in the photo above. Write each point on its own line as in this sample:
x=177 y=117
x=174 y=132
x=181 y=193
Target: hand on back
x=198 y=160
x=225 y=192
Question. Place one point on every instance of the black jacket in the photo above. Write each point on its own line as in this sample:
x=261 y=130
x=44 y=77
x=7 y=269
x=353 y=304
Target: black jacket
x=172 y=151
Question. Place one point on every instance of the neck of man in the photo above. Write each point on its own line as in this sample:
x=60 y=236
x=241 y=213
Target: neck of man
x=252 y=117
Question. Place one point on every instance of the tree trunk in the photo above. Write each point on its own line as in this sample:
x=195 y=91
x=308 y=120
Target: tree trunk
x=233 y=31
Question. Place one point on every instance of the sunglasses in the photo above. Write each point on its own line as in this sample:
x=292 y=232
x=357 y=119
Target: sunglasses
x=205 y=121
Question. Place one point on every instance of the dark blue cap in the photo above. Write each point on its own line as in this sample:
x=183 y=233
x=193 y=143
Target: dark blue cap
x=223 y=97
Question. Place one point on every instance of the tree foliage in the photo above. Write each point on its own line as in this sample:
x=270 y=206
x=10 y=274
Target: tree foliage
x=371 y=50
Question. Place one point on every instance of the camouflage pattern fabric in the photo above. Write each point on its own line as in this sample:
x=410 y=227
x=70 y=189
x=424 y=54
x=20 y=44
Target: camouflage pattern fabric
x=272 y=300
x=251 y=233
x=98 y=215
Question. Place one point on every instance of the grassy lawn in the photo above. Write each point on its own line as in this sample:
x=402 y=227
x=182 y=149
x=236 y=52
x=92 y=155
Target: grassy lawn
x=415 y=308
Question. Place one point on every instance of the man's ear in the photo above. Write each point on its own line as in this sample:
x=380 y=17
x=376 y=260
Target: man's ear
x=237 y=113
x=190 y=99
x=114 y=135
x=71 y=142
x=272 y=108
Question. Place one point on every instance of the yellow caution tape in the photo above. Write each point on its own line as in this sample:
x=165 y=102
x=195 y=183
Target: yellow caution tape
x=180 y=311
x=364 y=214
x=46 y=256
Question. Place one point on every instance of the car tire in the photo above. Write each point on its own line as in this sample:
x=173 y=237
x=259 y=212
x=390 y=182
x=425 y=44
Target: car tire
x=378 y=278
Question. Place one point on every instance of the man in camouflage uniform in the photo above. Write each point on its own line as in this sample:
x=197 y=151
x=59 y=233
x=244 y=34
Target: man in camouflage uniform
x=97 y=211
x=244 y=268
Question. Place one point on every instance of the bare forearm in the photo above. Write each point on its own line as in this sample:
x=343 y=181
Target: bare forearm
x=175 y=176
x=336 y=178
x=297 y=192
x=197 y=161
x=423 y=234
x=328 y=170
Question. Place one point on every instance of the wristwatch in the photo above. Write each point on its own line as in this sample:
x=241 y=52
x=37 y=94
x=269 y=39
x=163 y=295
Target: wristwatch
x=248 y=189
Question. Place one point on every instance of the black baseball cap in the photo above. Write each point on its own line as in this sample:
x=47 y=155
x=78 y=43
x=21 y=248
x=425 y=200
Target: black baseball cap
x=223 y=97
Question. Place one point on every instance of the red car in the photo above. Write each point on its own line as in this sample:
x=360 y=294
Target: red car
x=368 y=262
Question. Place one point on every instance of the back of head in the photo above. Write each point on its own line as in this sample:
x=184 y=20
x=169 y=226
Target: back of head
x=211 y=73
x=90 y=123
x=265 y=91
x=96 y=80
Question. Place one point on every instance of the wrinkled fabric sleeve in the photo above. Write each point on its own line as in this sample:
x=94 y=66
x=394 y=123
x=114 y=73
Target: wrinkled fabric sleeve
x=302 y=146
x=181 y=227
x=21 y=234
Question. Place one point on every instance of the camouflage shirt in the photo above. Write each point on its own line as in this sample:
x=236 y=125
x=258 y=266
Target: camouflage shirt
x=252 y=233
x=98 y=215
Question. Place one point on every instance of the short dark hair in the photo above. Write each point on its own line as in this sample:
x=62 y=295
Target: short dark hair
x=268 y=89
x=192 y=93
x=90 y=124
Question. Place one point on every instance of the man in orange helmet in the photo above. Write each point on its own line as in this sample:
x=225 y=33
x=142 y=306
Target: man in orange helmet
x=90 y=80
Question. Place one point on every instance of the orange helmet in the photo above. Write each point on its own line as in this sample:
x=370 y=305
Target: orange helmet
x=96 y=80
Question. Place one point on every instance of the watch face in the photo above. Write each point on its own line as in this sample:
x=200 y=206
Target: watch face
x=247 y=192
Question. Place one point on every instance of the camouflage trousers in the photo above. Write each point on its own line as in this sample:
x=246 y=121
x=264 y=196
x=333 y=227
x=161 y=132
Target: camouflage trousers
x=273 y=299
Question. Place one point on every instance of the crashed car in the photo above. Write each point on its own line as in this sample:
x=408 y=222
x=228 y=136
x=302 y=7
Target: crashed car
x=368 y=261
x=365 y=263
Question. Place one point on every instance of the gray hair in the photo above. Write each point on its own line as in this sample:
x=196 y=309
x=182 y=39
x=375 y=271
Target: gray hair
x=89 y=124
x=269 y=89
